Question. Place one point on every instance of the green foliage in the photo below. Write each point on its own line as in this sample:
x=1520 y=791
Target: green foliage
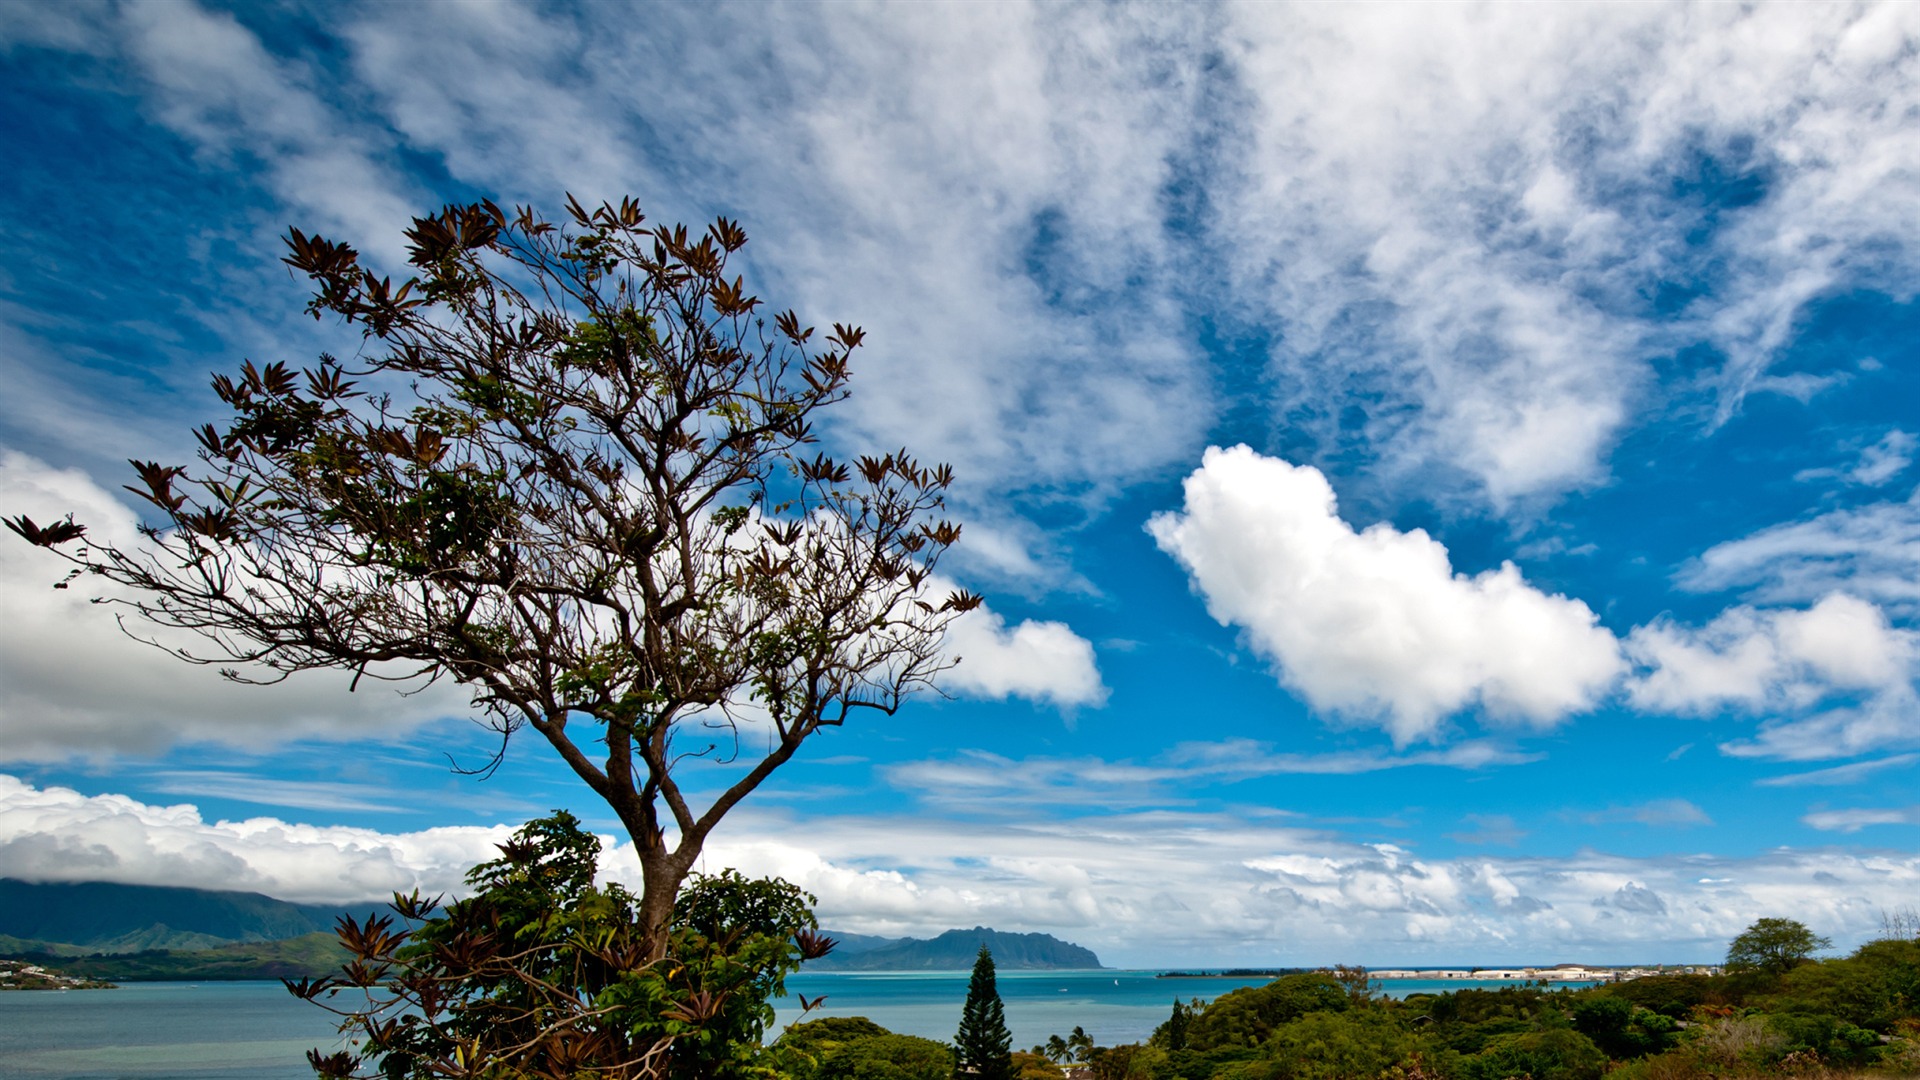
x=856 y=1048
x=1553 y=1054
x=1672 y=996
x=1828 y=1037
x=1334 y=1046
x=1172 y=1035
x=1029 y=1066
x=889 y=1057
x=306 y=956
x=1245 y=1017
x=982 y=1046
x=542 y=972
x=1622 y=1030
x=1132 y=1062
x=1773 y=946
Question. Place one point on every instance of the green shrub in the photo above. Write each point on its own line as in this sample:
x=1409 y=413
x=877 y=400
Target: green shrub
x=1620 y=1029
x=1668 y=995
x=888 y=1057
x=1334 y=1046
x=1553 y=1054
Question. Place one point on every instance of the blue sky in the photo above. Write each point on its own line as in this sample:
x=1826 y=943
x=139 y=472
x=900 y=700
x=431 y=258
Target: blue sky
x=1442 y=477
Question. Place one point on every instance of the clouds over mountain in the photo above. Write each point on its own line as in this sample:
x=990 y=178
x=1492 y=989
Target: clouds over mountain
x=1150 y=887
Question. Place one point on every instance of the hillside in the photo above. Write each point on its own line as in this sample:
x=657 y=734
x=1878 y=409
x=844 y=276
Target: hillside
x=307 y=956
x=104 y=917
x=954 y=951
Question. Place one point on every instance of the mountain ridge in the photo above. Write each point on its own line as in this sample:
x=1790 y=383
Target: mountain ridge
x=955 y=950
x=109 y=917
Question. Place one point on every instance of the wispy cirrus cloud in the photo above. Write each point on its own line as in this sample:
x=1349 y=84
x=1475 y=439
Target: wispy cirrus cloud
x=1840 y=775
x=1871 y=551
x=977 y=779
x=1853 y=820
x=1657 y=813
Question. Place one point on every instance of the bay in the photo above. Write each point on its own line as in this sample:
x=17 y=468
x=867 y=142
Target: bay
x=225 y=1031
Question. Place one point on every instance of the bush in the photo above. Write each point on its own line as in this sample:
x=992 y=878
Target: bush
x=1554 y=1054
x=1620 y=1029
x=1334 y=1046
x=1030 y=1066
x=1734 y=1043
x=1829 y=1037
x=856 y=1048
x=888 y=1057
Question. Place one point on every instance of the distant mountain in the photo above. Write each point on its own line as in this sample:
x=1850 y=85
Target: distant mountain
x=99 y=916
x=952 y=951
x=305 y=957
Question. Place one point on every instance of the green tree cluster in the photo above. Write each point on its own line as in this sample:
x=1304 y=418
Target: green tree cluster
x=1799 y=1017
x=856 y=1048
x=542 y=972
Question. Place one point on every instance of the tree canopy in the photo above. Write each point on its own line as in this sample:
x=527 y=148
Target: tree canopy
x=541 y=972
x=1774 y=946
x=569 y=468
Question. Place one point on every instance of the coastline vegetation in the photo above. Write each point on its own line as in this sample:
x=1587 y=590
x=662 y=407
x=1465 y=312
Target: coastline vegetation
x=23 y=975
x=1774 y=1012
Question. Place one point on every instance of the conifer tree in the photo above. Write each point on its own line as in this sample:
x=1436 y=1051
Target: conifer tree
x=983 y=1046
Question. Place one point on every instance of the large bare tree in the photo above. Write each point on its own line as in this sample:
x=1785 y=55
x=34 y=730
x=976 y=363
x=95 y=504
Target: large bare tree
x=568 y=468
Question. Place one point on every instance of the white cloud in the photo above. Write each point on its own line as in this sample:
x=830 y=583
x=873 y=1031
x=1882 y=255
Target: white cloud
x=1871 y=551
x=1375 y=624
x=1781 y=658
x=1838 y=676
x=976 y=186
x=72 y=684
x=1474 y=229
x=1885 y=459
x=1149 y=888
x=1841 y=774
x=1854 y=820
x=1040 y=661
x=1659 y=813
x=57 y=834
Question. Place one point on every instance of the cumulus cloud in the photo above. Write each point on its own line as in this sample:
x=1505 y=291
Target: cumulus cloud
x=1041 y=661
x=1753 y=658
x=57 y=834
x=73 y=684
x=1147 y=888
x=1838 y=676
x=1376 y=624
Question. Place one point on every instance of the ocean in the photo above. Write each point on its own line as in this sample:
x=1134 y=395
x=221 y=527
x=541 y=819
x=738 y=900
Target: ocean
x=256 y=1030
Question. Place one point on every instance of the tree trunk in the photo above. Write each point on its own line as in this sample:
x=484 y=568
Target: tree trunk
x=661 y=873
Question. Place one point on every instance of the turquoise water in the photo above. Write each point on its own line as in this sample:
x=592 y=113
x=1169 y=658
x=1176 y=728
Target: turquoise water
x=160 y=1031
x=225 y=1031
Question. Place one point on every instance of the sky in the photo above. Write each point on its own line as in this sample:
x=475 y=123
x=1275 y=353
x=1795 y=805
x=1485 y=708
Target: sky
x=1442 y=476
